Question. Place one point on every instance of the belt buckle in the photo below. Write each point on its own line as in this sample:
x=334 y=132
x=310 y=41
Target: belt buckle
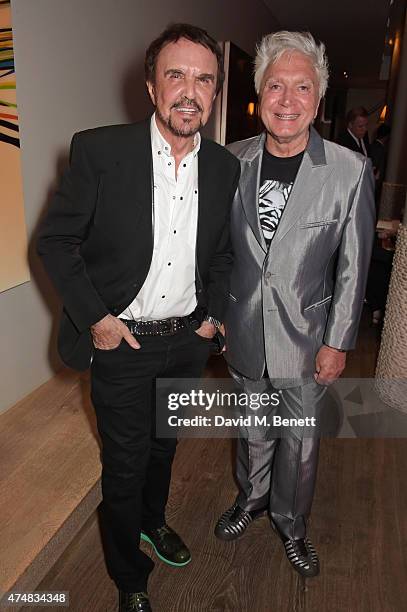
x=167 y=325
x=173 y=326
x=176 y=324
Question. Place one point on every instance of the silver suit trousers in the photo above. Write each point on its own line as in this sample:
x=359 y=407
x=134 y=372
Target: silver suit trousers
x=277 y=468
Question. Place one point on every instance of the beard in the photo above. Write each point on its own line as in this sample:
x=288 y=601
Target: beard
x=185 y=128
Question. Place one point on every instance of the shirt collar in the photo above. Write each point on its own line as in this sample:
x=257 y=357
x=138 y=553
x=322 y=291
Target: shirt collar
x=359 y=141
x=160 y=146
x=353 y=136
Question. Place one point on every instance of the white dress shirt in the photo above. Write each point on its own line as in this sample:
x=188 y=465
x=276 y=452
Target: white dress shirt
x=169 y=289
x=359 y=141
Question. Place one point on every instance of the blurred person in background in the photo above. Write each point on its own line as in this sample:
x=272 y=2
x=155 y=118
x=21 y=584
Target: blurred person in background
x=378 y=155
x=383 y=246
x=356 y=137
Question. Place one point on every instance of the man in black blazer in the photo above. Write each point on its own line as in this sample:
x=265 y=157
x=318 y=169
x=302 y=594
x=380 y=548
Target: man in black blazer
x=356 y=137
x=136 y=242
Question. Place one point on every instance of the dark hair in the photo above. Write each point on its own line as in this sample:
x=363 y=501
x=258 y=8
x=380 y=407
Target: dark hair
x=383 y=130
x=359 y=111
x=172 y=34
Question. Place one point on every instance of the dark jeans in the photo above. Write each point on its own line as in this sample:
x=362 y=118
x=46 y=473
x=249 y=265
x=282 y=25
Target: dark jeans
x=136 y=464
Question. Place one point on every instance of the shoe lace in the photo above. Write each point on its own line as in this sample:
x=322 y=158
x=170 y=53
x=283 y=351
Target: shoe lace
x=237 y=514
x=134 y=601
x=163 y=531
x=136 y=598
x=299 y=548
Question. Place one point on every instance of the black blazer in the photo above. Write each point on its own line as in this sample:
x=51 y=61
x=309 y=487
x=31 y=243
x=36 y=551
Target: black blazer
x=97 y=239
x=346 y=140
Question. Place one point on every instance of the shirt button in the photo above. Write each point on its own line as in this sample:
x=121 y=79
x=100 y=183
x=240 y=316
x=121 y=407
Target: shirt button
x=169 y=263
x=169 y=163
x=159 y=152
x=184 y=165
x=173 y=197
x=267 y=275
x=196 y=191
x=163 y=296
x=175 y=231
x=181 y=198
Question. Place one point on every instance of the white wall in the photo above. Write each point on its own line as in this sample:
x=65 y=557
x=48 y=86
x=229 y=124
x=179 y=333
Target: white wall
x=79 y=64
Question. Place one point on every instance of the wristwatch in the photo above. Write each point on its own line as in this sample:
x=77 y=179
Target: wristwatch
x=212 y=320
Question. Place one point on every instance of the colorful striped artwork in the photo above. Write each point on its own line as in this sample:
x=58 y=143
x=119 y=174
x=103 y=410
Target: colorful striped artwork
x=13 y=236
x=8 y=105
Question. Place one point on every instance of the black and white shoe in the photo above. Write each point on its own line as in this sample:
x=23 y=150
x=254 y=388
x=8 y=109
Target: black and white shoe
x=302 y=556
x=134 y=602
x=234 y=522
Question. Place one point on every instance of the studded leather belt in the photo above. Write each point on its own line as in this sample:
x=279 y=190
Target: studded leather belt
x=161 y=327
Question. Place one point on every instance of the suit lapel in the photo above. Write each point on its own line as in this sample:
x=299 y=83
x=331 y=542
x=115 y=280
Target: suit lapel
x=249 y=192
x=141 y=163
x=311 y=176
x=203 y=197
x=133 y=175
x=249 y=185
x=206 y=197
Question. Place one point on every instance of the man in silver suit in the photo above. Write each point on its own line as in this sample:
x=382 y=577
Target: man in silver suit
x=302 y=229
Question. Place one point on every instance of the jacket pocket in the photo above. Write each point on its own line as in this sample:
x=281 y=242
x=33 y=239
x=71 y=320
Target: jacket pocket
x=317 y=304
x=322 y=223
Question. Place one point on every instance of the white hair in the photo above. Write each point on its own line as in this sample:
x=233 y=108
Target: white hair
x=273 y=46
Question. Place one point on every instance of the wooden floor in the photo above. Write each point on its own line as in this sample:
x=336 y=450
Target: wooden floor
x=49 y=477
x=358 y=525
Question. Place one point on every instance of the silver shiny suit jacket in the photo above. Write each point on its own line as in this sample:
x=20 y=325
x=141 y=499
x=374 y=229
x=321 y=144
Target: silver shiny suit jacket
x=308 y=288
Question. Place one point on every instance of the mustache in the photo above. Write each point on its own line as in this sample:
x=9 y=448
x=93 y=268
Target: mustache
x=187 y=102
